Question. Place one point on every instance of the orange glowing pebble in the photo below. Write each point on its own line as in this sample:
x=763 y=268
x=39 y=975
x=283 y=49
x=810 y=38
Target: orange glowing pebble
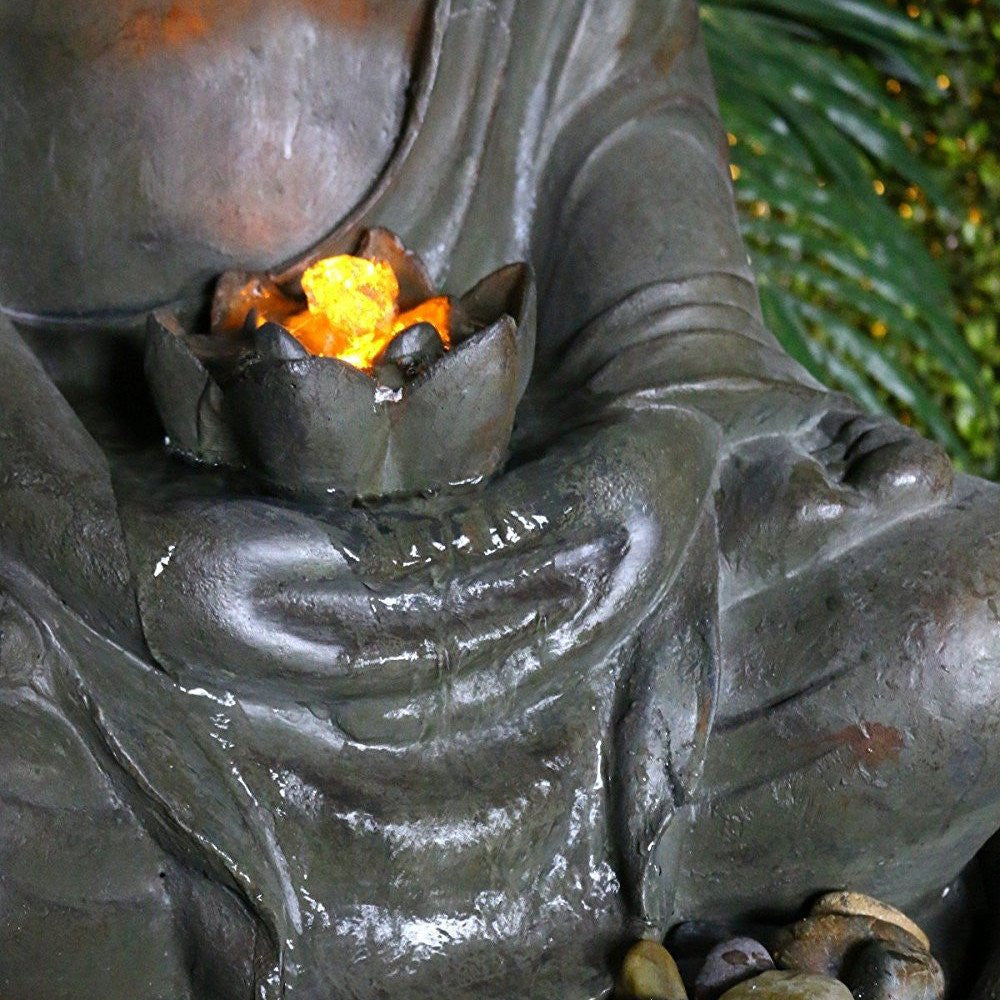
x=352 y=305
x=355 y=294
x=436 y=311
x=315 y=334
x=353 y=310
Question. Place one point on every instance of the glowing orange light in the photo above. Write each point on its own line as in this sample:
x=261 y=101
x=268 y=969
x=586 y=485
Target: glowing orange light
x=356 y=295
x=255 y=294
x=353 y=310
x=437 y=312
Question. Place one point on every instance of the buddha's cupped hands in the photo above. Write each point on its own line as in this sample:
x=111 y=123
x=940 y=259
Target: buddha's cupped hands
x=567 y=550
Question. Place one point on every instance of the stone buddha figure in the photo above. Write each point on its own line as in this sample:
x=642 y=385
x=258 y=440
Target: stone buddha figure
x=711 y=642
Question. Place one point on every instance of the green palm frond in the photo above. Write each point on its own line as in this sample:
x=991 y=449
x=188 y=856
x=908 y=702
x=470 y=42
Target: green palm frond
x=817 y=143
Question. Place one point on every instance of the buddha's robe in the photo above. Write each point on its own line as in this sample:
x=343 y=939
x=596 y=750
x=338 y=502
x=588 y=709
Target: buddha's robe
x=468 y=745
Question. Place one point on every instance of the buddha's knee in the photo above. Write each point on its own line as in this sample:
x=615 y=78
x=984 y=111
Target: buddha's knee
x=945 y=568
x=902 y=621
x=857 y=736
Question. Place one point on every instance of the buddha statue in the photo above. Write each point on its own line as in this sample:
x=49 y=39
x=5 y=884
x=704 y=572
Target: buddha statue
x=712 y=641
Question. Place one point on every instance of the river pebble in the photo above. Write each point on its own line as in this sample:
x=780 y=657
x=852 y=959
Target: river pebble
x=855 y=904
x=649 y=972
x=883 y=971
x=820 y=944
x=789 y=986
x=730 y=963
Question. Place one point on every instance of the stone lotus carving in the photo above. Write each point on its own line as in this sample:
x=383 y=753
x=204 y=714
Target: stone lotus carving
x=252 y=397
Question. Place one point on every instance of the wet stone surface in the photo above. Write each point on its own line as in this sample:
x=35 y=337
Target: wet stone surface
x=821 y=944
x=882 y=971
x=389 y=375
x=728 y=964
x=789 y=986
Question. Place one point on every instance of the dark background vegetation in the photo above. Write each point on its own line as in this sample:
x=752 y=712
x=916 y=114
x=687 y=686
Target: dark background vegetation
x=867 y=170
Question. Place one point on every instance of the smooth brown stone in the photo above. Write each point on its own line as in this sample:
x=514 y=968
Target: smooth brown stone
x=820 y=944
x=789 y=986
x=883 y=971
x=856 y=904
x=649 y=972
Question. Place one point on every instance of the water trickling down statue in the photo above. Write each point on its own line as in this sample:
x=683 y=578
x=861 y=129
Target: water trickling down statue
x=712 y=641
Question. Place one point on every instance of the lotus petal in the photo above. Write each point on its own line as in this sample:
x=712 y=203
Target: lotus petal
x=458 y=417
x=508 y=291
x=309 y=427
x=272 y=340
x=188 y=398
x=412 y=350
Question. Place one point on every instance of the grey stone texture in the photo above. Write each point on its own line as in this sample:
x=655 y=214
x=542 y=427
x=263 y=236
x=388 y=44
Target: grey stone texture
x=710 y=643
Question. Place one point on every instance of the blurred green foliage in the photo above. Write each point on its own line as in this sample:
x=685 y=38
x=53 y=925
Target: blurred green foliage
x=865 y=155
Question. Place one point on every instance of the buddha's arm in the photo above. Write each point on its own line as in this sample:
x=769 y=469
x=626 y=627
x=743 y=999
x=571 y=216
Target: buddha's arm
x=648 y=309
x=645 y=287
x=646 y=296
